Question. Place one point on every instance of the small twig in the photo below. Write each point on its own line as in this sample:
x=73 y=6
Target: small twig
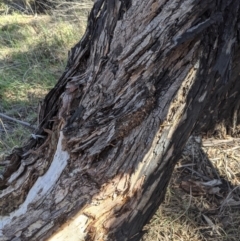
x=18 y=121
x=215 y=142
x=3 y=127
x=186 y=165
x=189 y=204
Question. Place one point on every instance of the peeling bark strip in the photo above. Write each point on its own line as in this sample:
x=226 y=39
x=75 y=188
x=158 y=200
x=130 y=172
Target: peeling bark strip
x=118 y=118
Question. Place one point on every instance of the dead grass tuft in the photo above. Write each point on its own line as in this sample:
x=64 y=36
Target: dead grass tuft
x=203 y=198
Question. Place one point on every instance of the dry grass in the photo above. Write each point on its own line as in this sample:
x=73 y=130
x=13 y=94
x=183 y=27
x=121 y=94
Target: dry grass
x=203 y=198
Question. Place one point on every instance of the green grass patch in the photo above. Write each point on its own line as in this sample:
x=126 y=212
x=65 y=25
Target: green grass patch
x=33 y=55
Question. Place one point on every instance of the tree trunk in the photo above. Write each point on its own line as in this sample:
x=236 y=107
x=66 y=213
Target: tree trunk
x=143 y=76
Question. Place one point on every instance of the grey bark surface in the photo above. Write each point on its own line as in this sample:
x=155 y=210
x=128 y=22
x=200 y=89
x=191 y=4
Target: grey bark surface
x=142 y=78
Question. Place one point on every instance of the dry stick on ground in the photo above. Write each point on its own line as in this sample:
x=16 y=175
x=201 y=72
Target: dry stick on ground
x=215 y=142
x=18 y=121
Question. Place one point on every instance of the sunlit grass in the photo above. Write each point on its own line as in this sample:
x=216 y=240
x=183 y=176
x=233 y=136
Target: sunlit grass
x=33 y=55
x=192 y=216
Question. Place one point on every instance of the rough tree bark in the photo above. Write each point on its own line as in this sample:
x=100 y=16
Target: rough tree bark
x=145 y=74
